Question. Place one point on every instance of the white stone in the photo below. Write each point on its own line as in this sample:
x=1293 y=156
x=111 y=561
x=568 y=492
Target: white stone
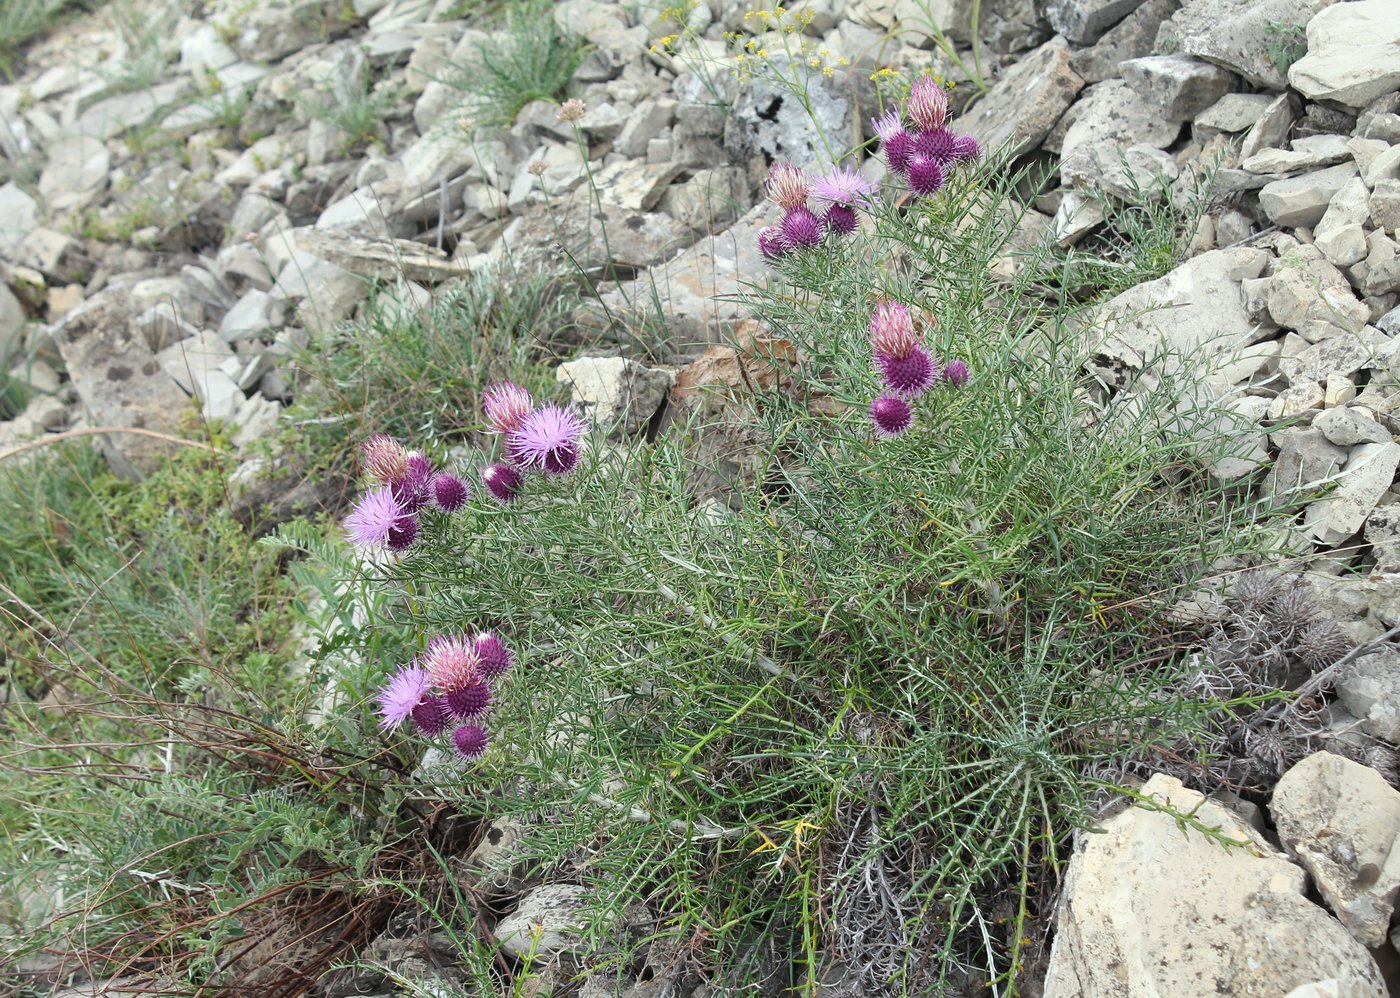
x=1353 y=53
x=18 y=216
x=1077 y=216
x=1369 y=471
x=76 y=172
x=547 y=921
x=1154 y=907
x=1348 y=426
x=621 y=395
x=1303 y=200
x=1311 y=152
x=1342 y=822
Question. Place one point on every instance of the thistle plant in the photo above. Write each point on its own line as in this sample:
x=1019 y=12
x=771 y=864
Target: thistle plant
x=852 y=713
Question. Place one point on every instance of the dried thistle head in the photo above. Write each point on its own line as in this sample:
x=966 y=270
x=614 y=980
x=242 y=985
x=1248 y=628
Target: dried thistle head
x=1295 y=608
x=1255 y=591
x=1321 y=643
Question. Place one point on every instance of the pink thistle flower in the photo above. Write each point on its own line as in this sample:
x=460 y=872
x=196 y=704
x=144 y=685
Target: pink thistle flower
x=842 y=185
x=898 y=150
x=892 y=331
x=956 y=373
x=375 y=517
x=502 y=482
x=887 y=126
x=471 y=700
x=548 y=440
x=891 y=415
x=786 y=185
x=771 y=242
x=966 y=147
x=801 y=228
x=450 y=493
x=493 y=657
x=397 y=698
x=386 y=460
x=403 y=534
x=413 y=490
x=910 y=375
x=928 y=104
x=431 y=715
x=506 y=405
x=451 y=661
x=938 y=144
x=925 y=176
x=470 y=741
x=842 y=219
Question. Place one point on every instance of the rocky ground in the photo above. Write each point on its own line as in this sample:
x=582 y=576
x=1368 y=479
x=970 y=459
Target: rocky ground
x=182 y=238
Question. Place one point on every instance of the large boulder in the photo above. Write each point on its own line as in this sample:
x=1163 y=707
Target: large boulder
x=1187 y=899
x=1237 y=34
x=1342 y=822
x=1353 y=53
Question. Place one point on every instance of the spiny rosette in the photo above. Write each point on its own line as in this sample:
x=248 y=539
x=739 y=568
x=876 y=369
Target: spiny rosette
x=956 y=373
x=938 y=144
x=966 y=147
x=548 y=440
x=842 y=186
x=413 y=490
x=926 y=177
x=841 y=219
x=431 y=715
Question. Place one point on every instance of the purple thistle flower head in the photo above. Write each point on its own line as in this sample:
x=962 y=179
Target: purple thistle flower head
x=842 y=185
x=403 y=534
x=397 y=698
x=386 y=460
x=956 y=373
x=413 y=490
x=451 y=661
x=548 y=440
x=801 y=227
x=771 y=242
x=502 y=482
x=470 y=741
x=493 y=657
x=431 y=715
x=506 y=405
x=909 y=376
x=925 y=176
x=892 y=332
x=937 y=144
x=966 y=147
x=891 y=415
x=841 y=218
x=898 y=148
x=786 y=185
x=928 y=104
x=375 y=518
x=887 y=125
x=450 y=493
x=471 y=700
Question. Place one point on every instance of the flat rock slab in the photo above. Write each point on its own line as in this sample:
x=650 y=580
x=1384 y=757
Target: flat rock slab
x=1235 y=35
x=120 y=383
x=1024 y=105
x=1353 y=53
x=386 y=259
x=1152 y=907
